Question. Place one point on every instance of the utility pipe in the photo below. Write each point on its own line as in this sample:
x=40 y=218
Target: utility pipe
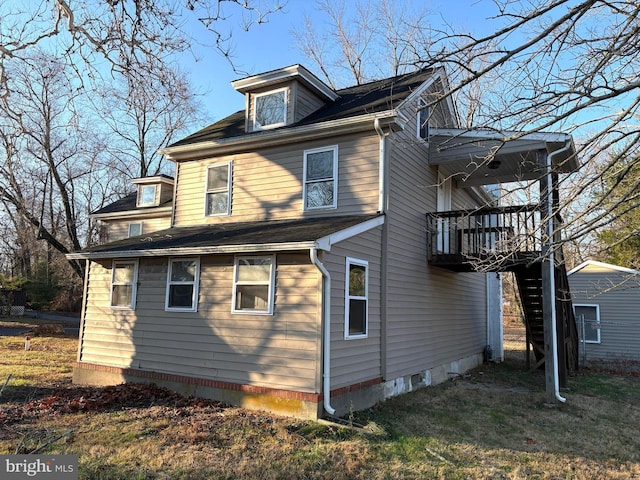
x=552 y=266
x=382 y=180
x=326 y=340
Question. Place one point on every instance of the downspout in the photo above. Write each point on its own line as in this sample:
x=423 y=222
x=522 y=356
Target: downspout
x=382 y=178
x=326 y=334
x=552 y=267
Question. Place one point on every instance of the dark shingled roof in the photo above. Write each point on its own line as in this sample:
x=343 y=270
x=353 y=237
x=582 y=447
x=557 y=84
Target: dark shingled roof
x=372 y=97
x=127 y=204
x=231 y=234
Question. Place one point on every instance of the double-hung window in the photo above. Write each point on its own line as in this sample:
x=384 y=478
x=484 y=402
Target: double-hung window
x=270 y=109
x=147 y=196
x=320 y=178
x=253 y=285
x=182 y=284
x=124 y=280
x=218 y=189
x=356 y=304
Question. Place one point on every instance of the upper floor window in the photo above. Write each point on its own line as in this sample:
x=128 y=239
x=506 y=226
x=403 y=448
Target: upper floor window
x=135 y=229
x=218 y=189
x=270 y=109
x=124 y=280
x=253 y=285
x=320 y=178
x=423 y=116
x=182 y=284
x=356 y=302
x=147 y=195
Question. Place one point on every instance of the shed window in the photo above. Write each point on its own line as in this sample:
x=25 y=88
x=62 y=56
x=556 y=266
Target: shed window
x=218 y=189
x=124 y=279
x=182 y=284
x=356 y=298
x=253 y=285
x=320 y=178
x=270 y=109
x=588 y=320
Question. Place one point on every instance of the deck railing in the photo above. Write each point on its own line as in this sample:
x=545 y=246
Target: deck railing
x=498 y=234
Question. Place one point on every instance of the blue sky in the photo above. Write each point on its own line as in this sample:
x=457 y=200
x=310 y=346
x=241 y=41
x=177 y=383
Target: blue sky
x=271 y=45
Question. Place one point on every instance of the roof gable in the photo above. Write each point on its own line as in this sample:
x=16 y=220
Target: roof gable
x=593 y=266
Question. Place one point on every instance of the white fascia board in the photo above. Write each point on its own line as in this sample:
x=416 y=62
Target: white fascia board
x=420 y=90
x=501 y=136
x=327 y=241
x=603 y=265
x=186 y=251
x=270 y=138
x=297 y=71
x=155 y=179
x=130 y=214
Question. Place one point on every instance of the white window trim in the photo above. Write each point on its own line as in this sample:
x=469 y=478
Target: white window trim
x=272 y=278
x=140 y=196
x=355 y=261
x=597 y=307
x=334 y=205
x=264 y=94
x=195 y=283
x=422 y=105
x=134 y=284
x=134 y=223
x=228 y=190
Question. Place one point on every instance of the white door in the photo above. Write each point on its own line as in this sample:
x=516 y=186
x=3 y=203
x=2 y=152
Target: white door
x=443 y=204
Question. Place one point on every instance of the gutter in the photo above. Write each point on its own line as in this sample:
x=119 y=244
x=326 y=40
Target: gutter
x=326 y=331
x=552 y=266
x=382 y=180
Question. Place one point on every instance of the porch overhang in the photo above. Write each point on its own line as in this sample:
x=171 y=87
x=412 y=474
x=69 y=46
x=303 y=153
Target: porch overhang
x=488 y=157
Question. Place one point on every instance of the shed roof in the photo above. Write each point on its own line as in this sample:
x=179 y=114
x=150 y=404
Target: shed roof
x=292 y=234
x=595 y=266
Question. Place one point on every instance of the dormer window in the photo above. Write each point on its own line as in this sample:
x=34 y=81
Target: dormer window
x=270 y=109
x=147 y=195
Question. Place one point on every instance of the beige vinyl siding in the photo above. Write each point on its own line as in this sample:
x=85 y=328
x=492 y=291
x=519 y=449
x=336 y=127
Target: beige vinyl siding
x=358 y=359
x=433 y=316
x=267 y=185
x=618 y=296
x=305 y=103
x=119 y=229
x=279 y=350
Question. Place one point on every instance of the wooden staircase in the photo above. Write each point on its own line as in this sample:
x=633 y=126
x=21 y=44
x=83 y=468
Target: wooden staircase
x=529 y=280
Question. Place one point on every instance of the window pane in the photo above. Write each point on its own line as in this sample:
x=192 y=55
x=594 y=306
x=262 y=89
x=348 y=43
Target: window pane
x=122 y=296
x=148 y=195
x=181 y=296
x=217 y=177
x=183 y=271
x=320 y=165
x=135 y=229
x=270 y=109
x=590 y=319
x=217 y=203
x=357 y=317
x=254 y=270
x=319 y=194
x=252 y=297
x=123 y=273
x=357 y=281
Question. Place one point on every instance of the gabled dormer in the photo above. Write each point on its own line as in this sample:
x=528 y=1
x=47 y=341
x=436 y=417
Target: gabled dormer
x=153 y=191
x=282 y=97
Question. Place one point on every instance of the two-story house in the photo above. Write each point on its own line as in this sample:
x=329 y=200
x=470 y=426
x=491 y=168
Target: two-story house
x=296 y=272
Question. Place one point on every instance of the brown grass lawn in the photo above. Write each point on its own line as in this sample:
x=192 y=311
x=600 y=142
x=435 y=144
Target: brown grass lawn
x=490 y=424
